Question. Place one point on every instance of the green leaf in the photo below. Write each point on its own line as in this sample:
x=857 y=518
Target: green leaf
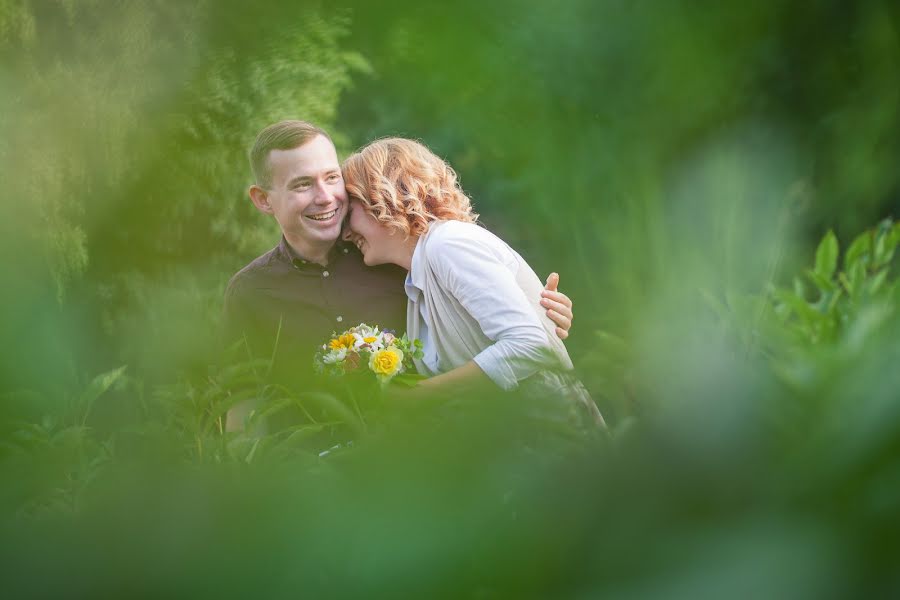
x=833 y=301
x=296 y=436
x=876 y=282
x=858 y=250
x=848 y=285
x=100 y=384
x=221 y=407
x=241 y=372
x=252 y=452
x=886 y=239
x=894 y=236
x=824 y=284
x=880 y=249
x=827 y=255
x=857 y=277
x=272 y=407
x=798 y=305
x=333 y=407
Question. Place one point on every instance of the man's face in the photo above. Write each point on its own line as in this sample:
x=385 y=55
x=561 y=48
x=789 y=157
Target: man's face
x=307 y=195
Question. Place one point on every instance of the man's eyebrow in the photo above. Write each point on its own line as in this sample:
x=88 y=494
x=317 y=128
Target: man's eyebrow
x=304 y=178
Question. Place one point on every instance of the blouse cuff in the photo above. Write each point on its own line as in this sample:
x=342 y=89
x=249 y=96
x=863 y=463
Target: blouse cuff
x=498 y=370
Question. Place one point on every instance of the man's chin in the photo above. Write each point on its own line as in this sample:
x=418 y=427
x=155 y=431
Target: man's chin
x=327 y=234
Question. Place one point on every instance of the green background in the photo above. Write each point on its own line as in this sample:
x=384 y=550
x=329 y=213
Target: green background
x=676 y=162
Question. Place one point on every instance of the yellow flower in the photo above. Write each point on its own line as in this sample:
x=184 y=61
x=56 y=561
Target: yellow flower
x=386 y=363
x=370 y=339
x=342 y=341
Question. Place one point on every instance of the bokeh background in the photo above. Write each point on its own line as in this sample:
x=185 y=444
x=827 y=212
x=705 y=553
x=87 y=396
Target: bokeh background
x=678 y=163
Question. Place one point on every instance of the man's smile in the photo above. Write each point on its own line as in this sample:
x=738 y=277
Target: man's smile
x=322 y=216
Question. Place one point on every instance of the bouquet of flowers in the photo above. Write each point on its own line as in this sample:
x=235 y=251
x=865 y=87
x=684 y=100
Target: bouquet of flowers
x=365 y=348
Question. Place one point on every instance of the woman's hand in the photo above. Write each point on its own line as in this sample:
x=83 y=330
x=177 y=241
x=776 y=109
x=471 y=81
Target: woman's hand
x=558 y=305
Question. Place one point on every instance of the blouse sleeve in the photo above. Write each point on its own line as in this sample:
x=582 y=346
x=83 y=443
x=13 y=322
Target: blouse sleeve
x=479 y=274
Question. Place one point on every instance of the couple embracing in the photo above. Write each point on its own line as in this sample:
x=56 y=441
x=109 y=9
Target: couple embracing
x=391 y=239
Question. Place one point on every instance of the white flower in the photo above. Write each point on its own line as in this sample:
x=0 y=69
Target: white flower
x=369 y=337
x=335 y=356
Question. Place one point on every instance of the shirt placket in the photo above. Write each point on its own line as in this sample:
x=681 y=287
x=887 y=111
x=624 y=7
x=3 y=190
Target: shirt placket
x=331 y=294
x=319 y=278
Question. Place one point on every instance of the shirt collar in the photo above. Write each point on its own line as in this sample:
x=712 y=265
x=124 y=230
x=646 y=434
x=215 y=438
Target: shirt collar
x=287 y=254
x=415 y=279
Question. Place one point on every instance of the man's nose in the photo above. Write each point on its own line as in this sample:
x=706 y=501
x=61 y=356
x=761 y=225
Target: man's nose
x=324 y=194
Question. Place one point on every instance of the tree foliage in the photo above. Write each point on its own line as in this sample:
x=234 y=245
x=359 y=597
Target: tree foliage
x=125 y=145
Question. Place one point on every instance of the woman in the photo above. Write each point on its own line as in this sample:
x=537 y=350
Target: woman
x=470 y=294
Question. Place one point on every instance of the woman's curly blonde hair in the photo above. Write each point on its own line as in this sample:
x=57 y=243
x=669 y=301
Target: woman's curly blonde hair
x=404 y=184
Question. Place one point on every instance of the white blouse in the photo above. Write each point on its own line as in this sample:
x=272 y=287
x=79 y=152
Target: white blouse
x=472 y=297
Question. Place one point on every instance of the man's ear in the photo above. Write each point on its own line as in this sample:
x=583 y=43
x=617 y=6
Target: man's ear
x=260 y=198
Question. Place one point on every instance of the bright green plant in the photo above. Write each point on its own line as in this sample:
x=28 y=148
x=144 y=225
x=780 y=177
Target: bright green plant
x=827 y=300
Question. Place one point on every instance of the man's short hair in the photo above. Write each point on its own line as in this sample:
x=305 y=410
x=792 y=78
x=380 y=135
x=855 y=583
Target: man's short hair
x=283 y=135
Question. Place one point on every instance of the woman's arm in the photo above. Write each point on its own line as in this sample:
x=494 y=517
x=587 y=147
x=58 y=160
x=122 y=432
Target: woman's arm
x=469 y=378
x=465 y=381
x=477 y=269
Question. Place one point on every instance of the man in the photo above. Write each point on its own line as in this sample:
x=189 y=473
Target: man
x=289 y=300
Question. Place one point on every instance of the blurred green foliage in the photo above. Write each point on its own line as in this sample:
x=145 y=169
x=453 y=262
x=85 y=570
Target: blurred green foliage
x=125 y=144
x=677 y=163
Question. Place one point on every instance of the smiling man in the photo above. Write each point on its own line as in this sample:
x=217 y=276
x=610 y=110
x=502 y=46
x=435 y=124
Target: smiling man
x=289 y=300
x=301 y=187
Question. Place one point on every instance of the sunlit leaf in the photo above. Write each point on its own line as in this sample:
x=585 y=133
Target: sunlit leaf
x=827 y=255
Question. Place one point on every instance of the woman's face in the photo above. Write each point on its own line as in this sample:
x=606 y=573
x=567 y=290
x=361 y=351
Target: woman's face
x=378 y=242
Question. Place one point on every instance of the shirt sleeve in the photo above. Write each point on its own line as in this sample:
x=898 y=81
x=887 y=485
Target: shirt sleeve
x=479 y=274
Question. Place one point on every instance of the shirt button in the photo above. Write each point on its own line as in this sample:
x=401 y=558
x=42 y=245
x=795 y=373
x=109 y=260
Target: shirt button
x=346 y=251
x=339 y=318
x=325 y=273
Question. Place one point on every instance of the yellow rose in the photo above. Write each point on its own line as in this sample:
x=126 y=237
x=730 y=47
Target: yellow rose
x=343 y=341
x=386 y=363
